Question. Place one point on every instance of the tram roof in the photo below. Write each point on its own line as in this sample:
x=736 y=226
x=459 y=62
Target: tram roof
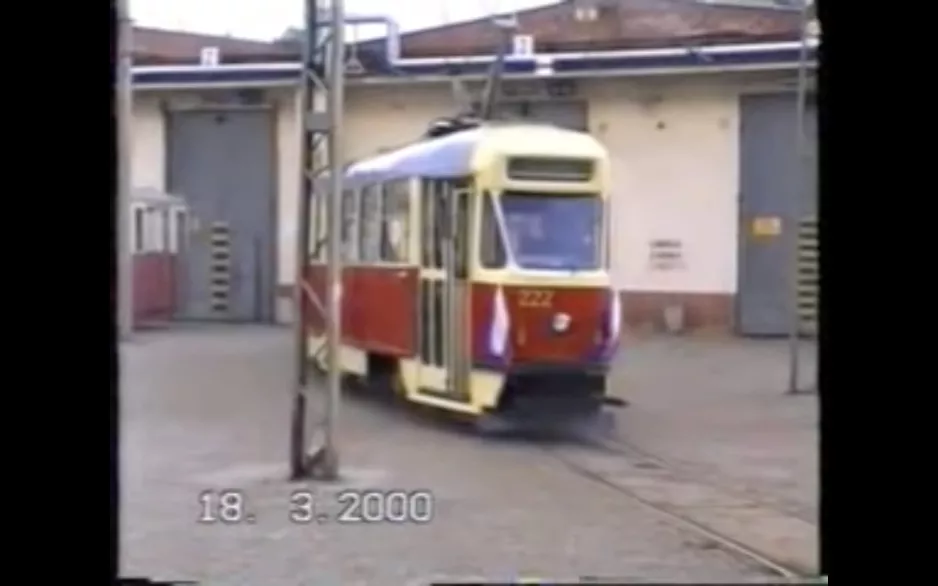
x=465 y=152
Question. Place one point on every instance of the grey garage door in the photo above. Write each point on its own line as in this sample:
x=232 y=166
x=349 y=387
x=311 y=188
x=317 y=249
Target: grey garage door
x=773 y=208
x=222 y=163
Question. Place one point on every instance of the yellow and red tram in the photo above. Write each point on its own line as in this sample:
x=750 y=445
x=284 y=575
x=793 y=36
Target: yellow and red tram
x=476 y=273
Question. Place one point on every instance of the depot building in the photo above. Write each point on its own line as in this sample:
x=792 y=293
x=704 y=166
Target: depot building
x=696 y=106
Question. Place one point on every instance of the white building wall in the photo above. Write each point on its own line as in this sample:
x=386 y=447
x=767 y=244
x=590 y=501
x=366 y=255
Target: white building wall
x=674 y=149
x=675 y=163
x=148 y=146
x=288 y=165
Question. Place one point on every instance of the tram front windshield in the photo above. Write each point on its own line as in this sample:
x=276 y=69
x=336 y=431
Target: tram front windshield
x=551 y=231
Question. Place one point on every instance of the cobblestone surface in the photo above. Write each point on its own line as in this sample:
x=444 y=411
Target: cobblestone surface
x=718 y=409
x=209 y=409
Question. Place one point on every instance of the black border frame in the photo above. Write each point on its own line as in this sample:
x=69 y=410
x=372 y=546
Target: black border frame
x=827 y=191
x=113 y=363
x=830 y=124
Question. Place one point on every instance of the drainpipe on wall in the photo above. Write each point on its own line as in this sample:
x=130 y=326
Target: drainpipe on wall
x=801 y=97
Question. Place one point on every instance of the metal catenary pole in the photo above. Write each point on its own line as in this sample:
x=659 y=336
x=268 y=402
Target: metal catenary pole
x=301 y=376
x=336 y=100
x=322 y=76
x=800 y=180
x=124 y=105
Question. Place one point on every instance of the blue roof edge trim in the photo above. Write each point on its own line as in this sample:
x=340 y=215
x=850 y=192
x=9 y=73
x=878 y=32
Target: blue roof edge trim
x=772 y=55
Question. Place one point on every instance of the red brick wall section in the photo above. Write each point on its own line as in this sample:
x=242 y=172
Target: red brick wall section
x=643 y=311
x=153 y=288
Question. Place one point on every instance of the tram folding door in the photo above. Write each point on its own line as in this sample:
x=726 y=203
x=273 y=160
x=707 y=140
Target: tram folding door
x=444 y=291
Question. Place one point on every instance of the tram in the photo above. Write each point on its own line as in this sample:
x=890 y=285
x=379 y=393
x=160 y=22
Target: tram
x=157 y=223
x=476 y=275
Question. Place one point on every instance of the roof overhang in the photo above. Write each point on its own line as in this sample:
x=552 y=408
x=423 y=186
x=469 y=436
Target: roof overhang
x=154 y=197
x=630 y=63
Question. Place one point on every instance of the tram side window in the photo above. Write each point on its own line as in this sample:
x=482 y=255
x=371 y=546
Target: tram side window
x=370 y=227
x=167 y=235
x=149 y=230
x=607 y=234
x=462 y=232
x=349 y=230
x=433 y=220
x=154 y=231
x=492 y=249
x=139 y=227
x=426 y=216
x=395 y=222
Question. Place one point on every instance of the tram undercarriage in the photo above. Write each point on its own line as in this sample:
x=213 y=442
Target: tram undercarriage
x=552 y=400
x=530 y=400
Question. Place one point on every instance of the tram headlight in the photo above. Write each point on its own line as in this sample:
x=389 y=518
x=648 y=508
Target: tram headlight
x=615 y=315
x=561 y=322
x=499 y=326
x=612 y=322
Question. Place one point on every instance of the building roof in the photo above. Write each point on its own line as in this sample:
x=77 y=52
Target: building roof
x=155 y=197
x=161 y=46
x=620 y=24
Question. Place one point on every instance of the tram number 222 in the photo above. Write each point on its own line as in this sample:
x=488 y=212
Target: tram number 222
x=230 y=507
x=535 y=298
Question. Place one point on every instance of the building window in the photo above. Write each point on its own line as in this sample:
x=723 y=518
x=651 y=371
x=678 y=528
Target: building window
x=139 y=227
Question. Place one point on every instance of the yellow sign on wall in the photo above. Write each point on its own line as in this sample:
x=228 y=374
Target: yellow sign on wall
x=766 y=226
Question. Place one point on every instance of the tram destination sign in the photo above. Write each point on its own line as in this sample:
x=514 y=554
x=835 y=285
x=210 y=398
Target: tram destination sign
x=550 y=169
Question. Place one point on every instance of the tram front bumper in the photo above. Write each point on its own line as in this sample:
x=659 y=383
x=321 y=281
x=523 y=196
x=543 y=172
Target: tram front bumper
x=583 y=424
x=536 y=398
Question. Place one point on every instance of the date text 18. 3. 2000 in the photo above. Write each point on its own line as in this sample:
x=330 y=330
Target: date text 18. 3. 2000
x=304 y=506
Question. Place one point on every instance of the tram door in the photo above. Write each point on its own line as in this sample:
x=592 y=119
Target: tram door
x=444 y=291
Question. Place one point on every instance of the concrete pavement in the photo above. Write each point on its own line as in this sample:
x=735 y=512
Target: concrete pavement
x=209 y=409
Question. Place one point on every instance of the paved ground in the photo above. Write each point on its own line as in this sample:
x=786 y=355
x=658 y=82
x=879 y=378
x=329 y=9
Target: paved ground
x=209 y=409
x=718 y=408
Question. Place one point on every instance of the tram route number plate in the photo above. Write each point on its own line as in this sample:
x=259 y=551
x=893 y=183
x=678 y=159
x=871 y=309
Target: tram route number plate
x=536 y=298
x=766 y=226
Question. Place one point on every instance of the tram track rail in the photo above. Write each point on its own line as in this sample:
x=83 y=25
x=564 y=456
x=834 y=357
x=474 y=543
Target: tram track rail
x=639 y=459
x=568 y=453
x=619 y=446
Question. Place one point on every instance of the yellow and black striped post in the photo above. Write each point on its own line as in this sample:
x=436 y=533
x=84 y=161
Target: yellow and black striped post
x=808 y=255
x=220 y=269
